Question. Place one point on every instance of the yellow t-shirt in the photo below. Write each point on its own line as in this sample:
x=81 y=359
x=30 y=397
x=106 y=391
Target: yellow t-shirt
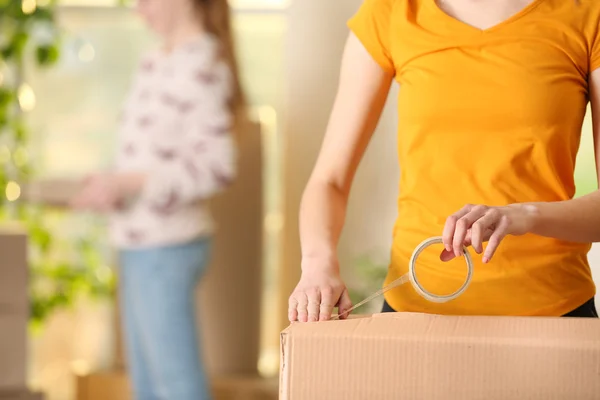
x=487 y=117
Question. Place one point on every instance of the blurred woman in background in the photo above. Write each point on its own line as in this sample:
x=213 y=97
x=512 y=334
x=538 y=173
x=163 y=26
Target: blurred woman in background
x=176 y=150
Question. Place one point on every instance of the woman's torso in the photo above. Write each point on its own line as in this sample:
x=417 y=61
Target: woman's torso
x=491 y=117
x=152 y=137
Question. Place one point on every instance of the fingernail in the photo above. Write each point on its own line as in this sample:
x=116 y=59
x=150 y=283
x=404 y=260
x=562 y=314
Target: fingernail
x=485 y=260
x=448 y=247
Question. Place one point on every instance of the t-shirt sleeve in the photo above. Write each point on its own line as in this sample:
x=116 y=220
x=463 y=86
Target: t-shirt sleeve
x=595 y=54
x=595 y=42
x=371 y=25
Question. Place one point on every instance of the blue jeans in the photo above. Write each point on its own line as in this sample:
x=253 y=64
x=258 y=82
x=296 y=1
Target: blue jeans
x=161 y=340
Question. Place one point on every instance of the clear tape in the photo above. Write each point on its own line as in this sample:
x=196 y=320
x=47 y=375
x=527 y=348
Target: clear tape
x=411 y=277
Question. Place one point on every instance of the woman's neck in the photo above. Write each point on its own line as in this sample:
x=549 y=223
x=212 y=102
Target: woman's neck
x=181 y=35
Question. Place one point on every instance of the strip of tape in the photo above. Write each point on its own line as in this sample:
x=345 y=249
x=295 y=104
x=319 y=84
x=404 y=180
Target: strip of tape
x=411 y=277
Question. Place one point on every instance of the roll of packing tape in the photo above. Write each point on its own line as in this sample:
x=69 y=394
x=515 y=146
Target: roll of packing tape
x=435 y=298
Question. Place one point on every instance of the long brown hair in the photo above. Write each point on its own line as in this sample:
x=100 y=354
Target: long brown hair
x=216 y=19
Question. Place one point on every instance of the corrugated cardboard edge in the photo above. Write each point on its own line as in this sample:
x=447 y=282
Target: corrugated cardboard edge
x=284 y=375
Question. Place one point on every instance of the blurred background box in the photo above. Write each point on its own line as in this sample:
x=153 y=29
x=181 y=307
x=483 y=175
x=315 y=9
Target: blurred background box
x=245 y=388
x=13 y=271
x=114 y=385
x=106 y=385
x=14 y=315
x=21 y=396
x=229 y=298
x=14 y=308
x=13 y=351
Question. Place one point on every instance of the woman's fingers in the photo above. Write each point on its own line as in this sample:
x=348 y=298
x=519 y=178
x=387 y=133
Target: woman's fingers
x=450 y=227
x=328 y=302
x=475 y=225
x=316 y=295
x=302 y=307
x=314 y=305
x=293 y=308
x=344 y=304
x=483 y=228
x=462 y=226
x=499 y=233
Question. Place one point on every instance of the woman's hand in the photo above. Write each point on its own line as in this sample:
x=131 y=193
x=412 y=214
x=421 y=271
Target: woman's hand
x=475 y=224
x=105 y=192
x=320 y=290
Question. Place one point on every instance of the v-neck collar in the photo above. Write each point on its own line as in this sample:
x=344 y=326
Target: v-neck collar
x=468 y=27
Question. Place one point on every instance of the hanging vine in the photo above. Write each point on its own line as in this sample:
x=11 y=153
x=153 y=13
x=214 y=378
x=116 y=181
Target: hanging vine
x=30 y=38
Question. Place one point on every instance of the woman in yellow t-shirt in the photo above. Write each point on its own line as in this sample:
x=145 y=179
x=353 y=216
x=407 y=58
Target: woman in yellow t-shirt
x=491 y=104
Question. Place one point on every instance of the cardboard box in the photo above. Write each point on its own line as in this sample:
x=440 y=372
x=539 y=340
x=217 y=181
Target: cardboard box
x=13 y=351
x=431 y=357
x=55 y=192
x=245 y=388
x=23 y=395
x=230 y=333
x=114 y=385
x=14 y=308
x=13 y=271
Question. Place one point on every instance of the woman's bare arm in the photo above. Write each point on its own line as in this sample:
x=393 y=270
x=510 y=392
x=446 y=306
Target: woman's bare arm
x=363 y=90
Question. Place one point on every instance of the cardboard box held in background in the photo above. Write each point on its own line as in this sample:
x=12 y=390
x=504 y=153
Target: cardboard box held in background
x=56 y=192
x=430 y=357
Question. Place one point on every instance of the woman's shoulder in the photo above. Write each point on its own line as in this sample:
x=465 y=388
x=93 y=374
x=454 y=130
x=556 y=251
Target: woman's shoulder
x=582 y=14
x=201 y=69
x=588 y=10
x=201 y=52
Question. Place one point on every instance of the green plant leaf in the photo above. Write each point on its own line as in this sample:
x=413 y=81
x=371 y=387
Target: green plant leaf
x=3 y=120
x=47 y=55
x=41 y=237
x=43 y=14
x=6 y=97
x=20 y=132
x=18 y=42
